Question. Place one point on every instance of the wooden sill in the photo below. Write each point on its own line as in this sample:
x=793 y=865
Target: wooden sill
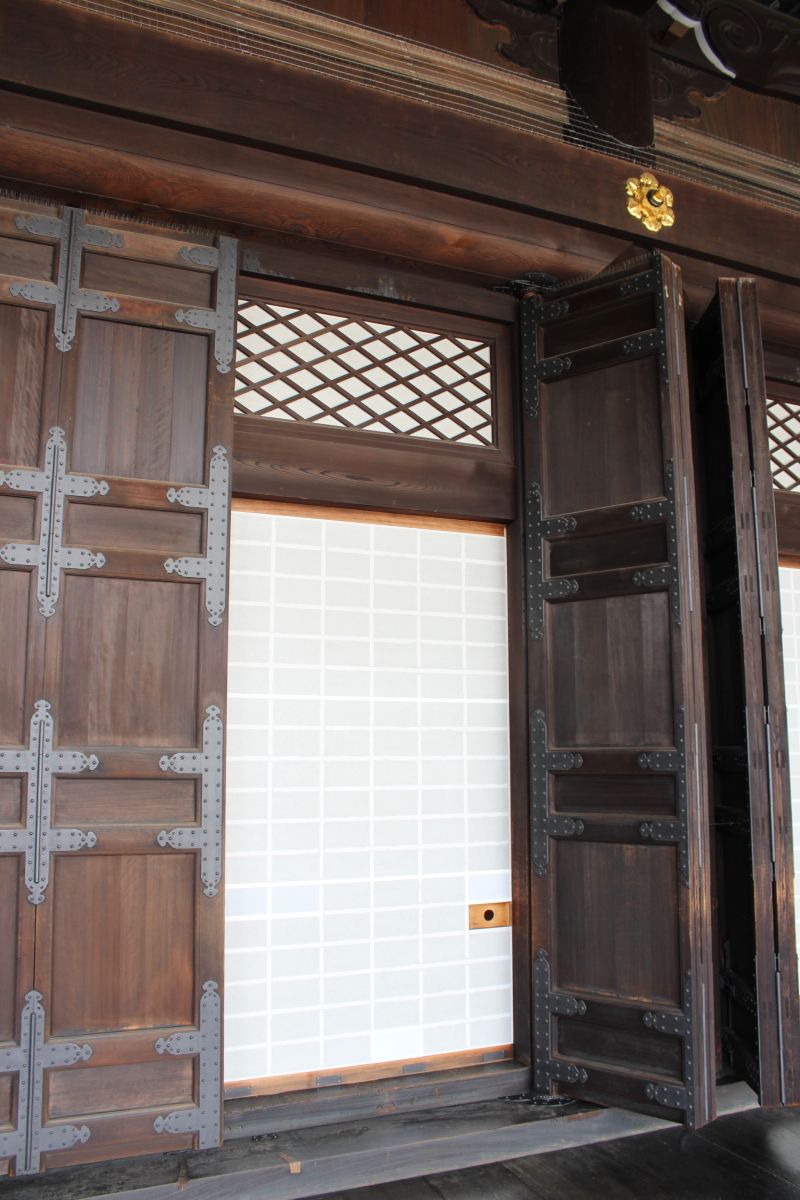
x=255 y=1116
x=305 y=1163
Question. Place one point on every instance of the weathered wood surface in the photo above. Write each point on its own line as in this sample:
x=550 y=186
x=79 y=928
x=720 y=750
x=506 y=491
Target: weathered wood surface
x=392 y=1154
x=614 y=670
x=755 y=921
x=264 y=104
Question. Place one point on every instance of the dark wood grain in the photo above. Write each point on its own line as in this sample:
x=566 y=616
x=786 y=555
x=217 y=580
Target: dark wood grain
x=613 y=674
x=239 y=99
x=125 y=937
x=753 y=822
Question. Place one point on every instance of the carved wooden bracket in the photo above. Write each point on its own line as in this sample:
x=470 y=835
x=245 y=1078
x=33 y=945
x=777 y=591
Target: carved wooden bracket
x=697 y=48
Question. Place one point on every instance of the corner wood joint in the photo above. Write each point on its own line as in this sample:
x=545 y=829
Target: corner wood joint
x=665 y=511
x=205 y=1043
x=213 y=566
x=675 y=1025
x=545 y=826
x=66 y=296
x=29 y=1060
x=546 y=1005
x=540 y=589
x=208 y=763
x=671 y=762
x=38 y=840
x=220 y=320
x=49 y=556
x=541 y=304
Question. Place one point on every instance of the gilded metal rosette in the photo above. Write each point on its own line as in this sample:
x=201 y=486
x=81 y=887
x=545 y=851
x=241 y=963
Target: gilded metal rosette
x=650 y=202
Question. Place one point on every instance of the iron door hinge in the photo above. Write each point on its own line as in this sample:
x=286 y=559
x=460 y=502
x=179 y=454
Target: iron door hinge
x=38 y=840
x=220 y=320
x=49 y=555
x=208 y=763
x=671 y=762
x=676 y=1025
x=66 y=296
x=544 y=825
x=30 y=1059
x=206 y=1043
x=666 y=576
x=539 y=529
x=213 y=567
x=546 y=1005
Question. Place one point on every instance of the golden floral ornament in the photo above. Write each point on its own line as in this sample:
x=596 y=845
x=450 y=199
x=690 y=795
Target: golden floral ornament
x=650 y=202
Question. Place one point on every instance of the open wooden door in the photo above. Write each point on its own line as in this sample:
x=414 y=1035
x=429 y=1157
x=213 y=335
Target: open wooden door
x=757 y=961
x=116 y=1041
x=29 y=381
x=620 y=915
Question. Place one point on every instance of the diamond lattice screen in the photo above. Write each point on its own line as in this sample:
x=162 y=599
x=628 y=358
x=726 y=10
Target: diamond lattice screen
x=354 y=373
x=783 y=421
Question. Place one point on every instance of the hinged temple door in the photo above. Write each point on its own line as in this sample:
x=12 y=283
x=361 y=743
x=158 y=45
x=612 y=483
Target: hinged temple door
x=127 y=569
x=29 y=377
x=618 y=796
x=759 y=1022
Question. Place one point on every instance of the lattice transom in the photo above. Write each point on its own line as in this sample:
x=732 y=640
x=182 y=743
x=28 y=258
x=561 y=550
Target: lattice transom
x=783 y=422
x=355 y=373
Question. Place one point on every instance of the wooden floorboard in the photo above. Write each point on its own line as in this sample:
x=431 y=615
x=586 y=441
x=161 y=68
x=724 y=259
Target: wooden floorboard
x=501 y=1150
x=771 y=1140
x=753 y=1155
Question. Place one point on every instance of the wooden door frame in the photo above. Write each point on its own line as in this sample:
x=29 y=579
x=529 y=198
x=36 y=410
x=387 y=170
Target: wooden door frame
x=361 y=471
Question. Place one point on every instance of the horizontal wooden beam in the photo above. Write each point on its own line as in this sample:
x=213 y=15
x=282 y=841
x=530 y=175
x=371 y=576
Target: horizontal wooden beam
x=154 y=171
x=291 y=461
x=52 y=49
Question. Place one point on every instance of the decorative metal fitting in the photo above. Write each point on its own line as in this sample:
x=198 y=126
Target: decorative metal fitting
x=206 y=1043
x=544 y=825
x=530 y=283
x=206 y=837
x=48 y=555
x=214 y=566
x=29 y=1060
x=547 y=1004
x=538 y=530
x=650 y=202
x=38 y=840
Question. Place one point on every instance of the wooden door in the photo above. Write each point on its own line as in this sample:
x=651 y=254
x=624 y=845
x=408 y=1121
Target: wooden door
x=621 y=974
x=756 y=957
x=29 y=381
x=121 y=1029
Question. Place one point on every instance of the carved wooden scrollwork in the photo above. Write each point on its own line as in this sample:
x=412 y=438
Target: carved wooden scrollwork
x=762 y=45
x=534 y=33
x=678 y=88
x=756 y=44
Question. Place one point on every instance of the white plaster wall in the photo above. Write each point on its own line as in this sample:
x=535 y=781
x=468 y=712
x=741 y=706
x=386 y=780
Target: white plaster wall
x=367 y=794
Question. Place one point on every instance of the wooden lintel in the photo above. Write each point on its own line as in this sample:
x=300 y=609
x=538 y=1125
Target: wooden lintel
x=310 y=117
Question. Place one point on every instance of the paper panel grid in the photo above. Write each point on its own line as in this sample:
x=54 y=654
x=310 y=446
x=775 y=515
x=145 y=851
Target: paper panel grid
x=790 y=615
x=368 y=795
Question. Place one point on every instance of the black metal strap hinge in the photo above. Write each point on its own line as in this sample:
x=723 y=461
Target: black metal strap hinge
x=539 y=529
x=545 y=826
x=29 y=1060
x=666 y=576
x=546 y=1005
x=676 y=1025
x=671 y=762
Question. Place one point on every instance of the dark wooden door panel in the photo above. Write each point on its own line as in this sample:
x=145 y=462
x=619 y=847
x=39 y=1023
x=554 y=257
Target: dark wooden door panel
x=29 y=382
x=117 y=629
x=756 y=956
x=620 y=896
x=135 y=398
x=599 y=438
